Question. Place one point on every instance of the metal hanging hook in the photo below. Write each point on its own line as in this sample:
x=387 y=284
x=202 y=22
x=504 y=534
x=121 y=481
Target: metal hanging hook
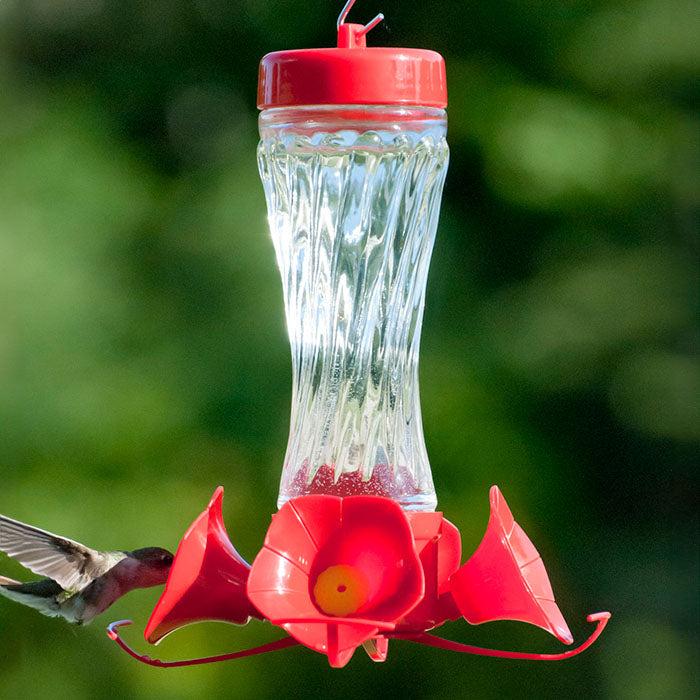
x=344 y=13
x=372 y=23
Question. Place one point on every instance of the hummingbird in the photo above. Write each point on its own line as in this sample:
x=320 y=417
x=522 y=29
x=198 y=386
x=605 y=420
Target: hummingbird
x=82 y=582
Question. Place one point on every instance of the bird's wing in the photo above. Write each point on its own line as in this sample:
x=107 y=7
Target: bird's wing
x=72 y=565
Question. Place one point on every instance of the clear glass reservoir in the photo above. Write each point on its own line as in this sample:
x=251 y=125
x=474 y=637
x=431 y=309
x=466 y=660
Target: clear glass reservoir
x=353 y=197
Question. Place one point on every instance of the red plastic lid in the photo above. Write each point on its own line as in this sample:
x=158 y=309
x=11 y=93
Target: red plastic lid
x=352 y=73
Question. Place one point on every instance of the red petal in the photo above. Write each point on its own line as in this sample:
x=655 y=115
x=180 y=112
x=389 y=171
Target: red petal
x=440 y=547
x=449 y=555
x=299 y=545
x=425 y=527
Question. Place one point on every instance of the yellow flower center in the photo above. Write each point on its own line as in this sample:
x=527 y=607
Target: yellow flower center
x=341 y=590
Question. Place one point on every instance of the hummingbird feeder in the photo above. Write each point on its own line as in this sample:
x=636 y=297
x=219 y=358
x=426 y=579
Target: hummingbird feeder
x=353 y=158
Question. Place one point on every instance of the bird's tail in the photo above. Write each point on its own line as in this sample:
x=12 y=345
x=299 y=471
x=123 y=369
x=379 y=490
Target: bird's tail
x=4 y=581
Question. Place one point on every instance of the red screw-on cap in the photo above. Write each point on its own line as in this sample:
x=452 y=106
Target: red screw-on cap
x=352 y=73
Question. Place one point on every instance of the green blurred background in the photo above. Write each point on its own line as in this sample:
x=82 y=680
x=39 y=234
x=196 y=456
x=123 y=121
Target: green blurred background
x=144 y=361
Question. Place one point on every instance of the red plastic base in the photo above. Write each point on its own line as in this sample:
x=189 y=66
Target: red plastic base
x=337 y=573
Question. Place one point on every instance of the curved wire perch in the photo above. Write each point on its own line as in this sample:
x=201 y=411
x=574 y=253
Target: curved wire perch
x=424 y=638
x=272 y=646
x=421 y=638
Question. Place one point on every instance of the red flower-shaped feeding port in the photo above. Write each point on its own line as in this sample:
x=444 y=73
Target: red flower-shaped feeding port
x=334 y=571
x=337 y=573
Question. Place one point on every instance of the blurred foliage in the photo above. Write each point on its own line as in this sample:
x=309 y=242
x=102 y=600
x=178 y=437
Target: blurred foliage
x=143 y=356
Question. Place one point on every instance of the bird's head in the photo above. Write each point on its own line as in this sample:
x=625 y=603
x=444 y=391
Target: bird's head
x=155 y=564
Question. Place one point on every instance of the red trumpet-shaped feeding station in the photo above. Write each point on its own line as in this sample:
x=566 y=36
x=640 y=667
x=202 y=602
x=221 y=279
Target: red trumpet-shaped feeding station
x=338 y=573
